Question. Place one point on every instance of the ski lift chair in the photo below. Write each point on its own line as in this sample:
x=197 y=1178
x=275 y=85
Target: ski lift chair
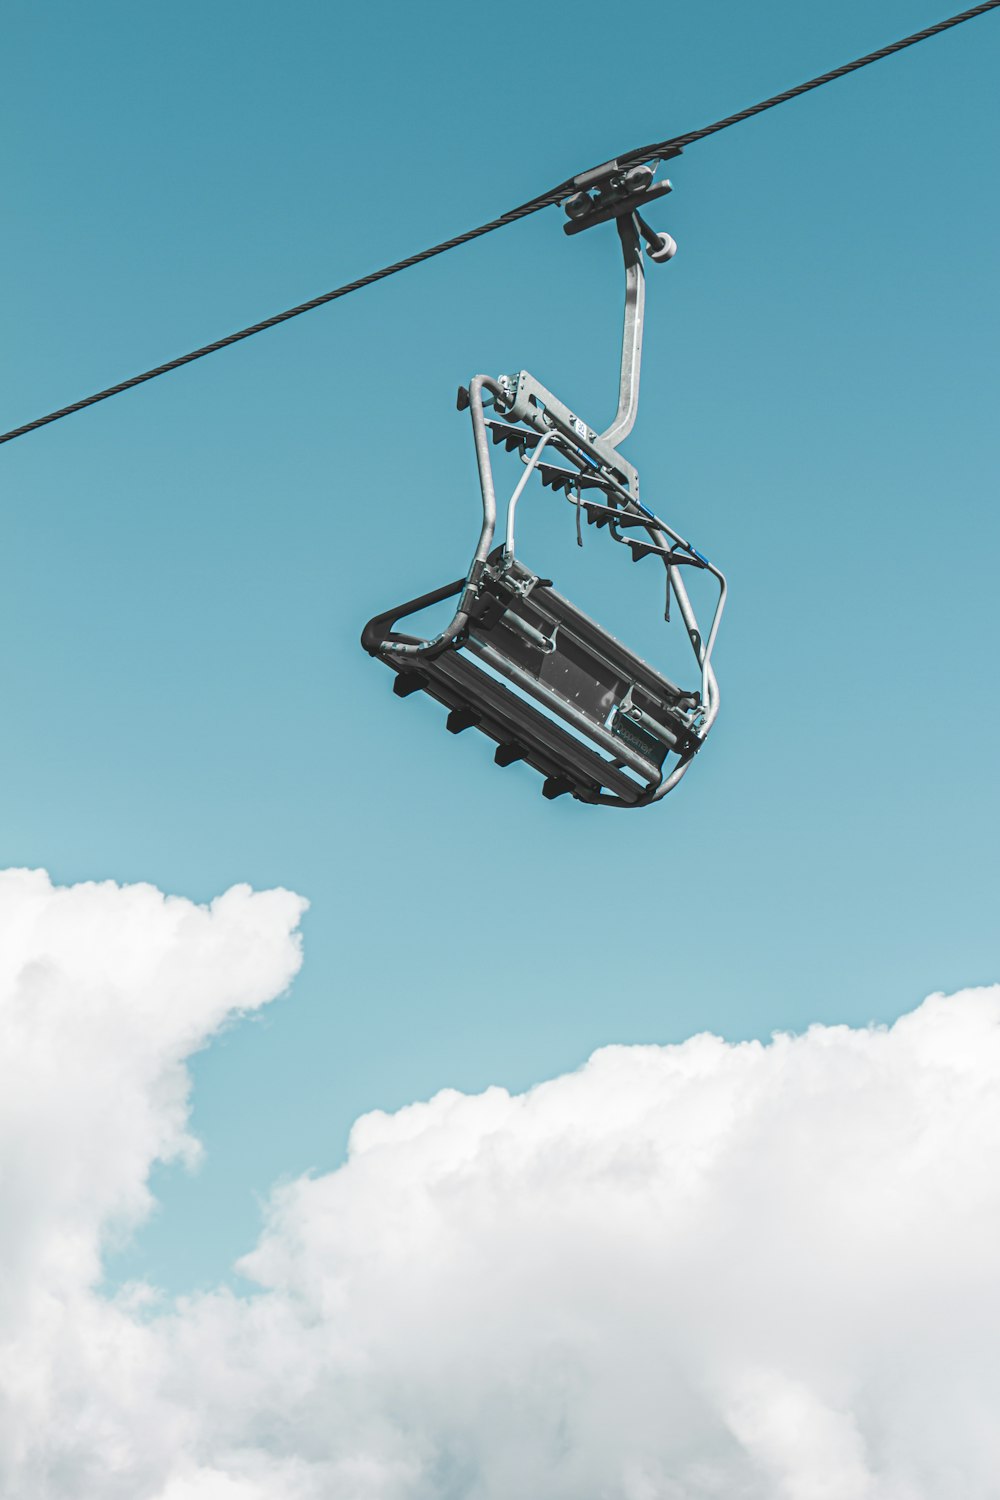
x=518 y=661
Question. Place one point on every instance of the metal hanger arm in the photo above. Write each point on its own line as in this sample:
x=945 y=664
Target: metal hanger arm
x=635 y=302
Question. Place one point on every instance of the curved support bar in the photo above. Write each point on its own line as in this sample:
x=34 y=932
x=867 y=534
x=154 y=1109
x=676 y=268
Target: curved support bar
x=436 y=643
x=460 y=619
x=709 y=688
x=711 y=683
x=635 y=302
x=375 y=636
x=608 y=799
x=539 y=449
x=482 y=441
x=672 y=780
x=660 y=532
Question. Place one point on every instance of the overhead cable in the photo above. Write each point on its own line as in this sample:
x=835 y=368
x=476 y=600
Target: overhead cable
x=678 y=142
x=658 y=150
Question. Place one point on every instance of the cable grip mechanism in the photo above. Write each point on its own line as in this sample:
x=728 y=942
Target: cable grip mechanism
x=612 y=191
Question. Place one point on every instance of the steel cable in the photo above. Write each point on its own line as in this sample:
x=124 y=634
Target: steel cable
x=678 y=142
x=291 y=312
x=656 y=151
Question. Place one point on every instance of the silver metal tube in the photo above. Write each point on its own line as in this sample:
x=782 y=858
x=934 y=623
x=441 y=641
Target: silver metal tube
x=635 y=303
x=515 y=497
x=710 y=686
x=641 y=717
x=671 y=781
x=709 y=646
x=691 y=622
x=709 y=683
x=461 y=617
x=482 y=441
x=543 y=642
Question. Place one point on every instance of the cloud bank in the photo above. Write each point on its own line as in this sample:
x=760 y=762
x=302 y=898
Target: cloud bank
x=699 y=1272
x=105 y=991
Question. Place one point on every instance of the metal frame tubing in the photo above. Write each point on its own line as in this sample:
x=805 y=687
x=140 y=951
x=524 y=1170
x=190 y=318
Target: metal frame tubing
x=460 y=619
x=632 y=329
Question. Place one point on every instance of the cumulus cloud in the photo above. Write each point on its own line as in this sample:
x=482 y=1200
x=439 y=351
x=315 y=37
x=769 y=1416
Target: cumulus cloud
x=699 y=1272
x=105 y=991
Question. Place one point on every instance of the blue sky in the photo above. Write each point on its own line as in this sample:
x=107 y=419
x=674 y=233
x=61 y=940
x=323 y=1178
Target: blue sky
x=186 y=569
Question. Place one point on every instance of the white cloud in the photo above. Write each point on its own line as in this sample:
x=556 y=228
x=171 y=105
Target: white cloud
x=105 y=991
x=703 y=1272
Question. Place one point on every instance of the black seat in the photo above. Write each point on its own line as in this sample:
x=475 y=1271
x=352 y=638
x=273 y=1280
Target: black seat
x=549 y=686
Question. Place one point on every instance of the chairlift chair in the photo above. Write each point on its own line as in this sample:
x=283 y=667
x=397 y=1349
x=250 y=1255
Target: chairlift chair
x=518 y=661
